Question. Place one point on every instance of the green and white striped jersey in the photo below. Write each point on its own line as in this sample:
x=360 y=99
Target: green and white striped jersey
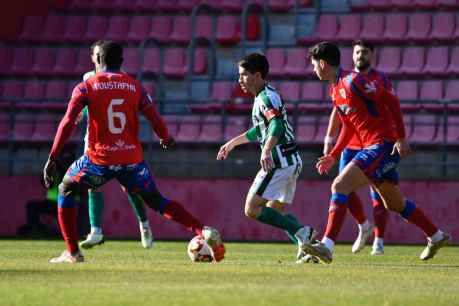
x=266 y=104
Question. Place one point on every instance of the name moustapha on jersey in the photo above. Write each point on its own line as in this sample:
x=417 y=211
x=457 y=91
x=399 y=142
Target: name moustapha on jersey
x=113 y=85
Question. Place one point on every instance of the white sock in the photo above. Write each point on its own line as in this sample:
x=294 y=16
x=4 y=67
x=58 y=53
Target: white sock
x=96 y=230
x=145 y=224
x=378 y=242
x=436 y=237
x=364 y=226
x=330 y=244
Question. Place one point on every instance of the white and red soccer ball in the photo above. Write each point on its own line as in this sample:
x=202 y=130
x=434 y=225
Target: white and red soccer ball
x=199 y=250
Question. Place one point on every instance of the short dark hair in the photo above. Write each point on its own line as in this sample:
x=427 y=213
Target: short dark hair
x=111 y=55
x=95 y=44
x=255 y=62
x=326 y=51
x=363 y=43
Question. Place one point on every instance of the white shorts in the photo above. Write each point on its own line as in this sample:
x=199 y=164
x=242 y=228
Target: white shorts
x=278 y=184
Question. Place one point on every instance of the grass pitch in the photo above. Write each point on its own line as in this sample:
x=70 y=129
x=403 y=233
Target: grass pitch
x=123 y=273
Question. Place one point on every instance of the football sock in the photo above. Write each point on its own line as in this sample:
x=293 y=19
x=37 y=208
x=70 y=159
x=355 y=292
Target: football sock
x=378 y=242
x=145 y=224
x=67 y=218
x=379 y=216
x=437 y=236
x=274 y=218
x=329 y=243
x=355 y=207
x=138 y=206
x=336 y=215
x=96 y=230
x=416 y=216
x=364 y=226
x=292 y=237
x=95 y=208
x=175 y=211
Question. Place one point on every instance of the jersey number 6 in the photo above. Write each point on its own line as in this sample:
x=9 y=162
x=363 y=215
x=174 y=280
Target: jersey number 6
x=112 y=115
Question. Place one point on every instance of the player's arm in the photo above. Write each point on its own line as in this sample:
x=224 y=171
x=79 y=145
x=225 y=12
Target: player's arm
x=334 y=124
x=243 y=138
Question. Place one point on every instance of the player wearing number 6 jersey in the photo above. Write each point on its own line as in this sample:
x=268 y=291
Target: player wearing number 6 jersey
x=114 y=151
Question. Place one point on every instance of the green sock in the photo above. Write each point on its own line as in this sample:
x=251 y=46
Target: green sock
x=290 y=236
x=272 y=217
x=96 y=208
x=139 y=209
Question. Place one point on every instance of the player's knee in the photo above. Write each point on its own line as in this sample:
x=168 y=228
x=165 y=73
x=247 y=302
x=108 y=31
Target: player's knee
x=338 y=185
x=250 y=212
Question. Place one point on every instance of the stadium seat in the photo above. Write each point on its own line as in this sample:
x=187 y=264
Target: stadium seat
x=322 y=125
x=381 y=5
x=306 y=127
x=350 y=27
x=81 y=4
x=325 y=29
x=276 y=58
x=431 y=91
x=200 y=61
x=139 y=29
x=402 y=4
x=4 y=126
x=96 y=29
x=6 y=60
x=54 y=28
x=13 y=90
x=105 y=5
x=66 y=60
x=204 y=28
x=424 y=4
x=188 y=129
x=23 y=126
x=290 y=91
x=453 y=130
x=437 y=61
x=407 y=120
x=235 y=125
x=420 y=25
x=172 y=125
x=45 y=127
x=32 y=28
x=456 y=33
x=75 y=29
x=34 y=91
x=413 y=61
x=424 y=128
x=211 y=129
x=174 y=63
x=373 y=27
x=151 y=61
x=295 y=65
x=453 y=66
x=23 y=60
x=84 y=63
x=407 y=91
x=346 y=58
x=57 y=90
x=443 y=26
x=253 y=31
x=181 y=33
x=234 y=6
x=228 y=30
x=396 y=26
x=44 y=62
x=131 y=63
x=161 y=28
x=118 y=28
x=312 y=91
x=451 y=92
x=447 y=4
x=280 y=5
x=167 y=5
x=187 y=5
x=144 y=5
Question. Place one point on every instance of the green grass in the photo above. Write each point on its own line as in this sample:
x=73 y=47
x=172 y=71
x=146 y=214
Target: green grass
x=122 y=273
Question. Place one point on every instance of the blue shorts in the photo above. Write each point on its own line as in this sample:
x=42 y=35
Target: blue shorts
x=346 y=158
x=378 y=163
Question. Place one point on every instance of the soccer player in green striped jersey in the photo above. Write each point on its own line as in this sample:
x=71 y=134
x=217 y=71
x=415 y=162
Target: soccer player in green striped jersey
x=274 y=185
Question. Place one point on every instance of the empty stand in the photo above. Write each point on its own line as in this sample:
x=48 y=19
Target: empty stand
x=118 y=28
x=407 y=91
x=6 y=59
x=276 y=58
x=296 y=62
x=204 y=27
x=181 y=32
x=424 y=128
x=419 y=27
x=23 y=60
x=139 y=29
x=23 y=127
x=312 y=91
x=235 y=125
x=350 y=26
x=211 y=129
x=396 y=27
x=306 y=127
x=44 y=62
x=131 y=63
x=66 y=61
x=413 y=61
x=290 y=91
x=174 y=63
x=453 y=66
x=372 y=27
x=437 y=61
x=54 y=28
x=451 y=90
x=443 y=26
x=325 y=29
x=228 y=30
x=432 y=91
x=32 y=28
x=97 y=27
x=188 y=129
x=75 y=29
x=83 y=62
x=57 y=90
x=161 y=28
x=346 y=58
x=151 y=61
x=13 y=90
x=45 y=127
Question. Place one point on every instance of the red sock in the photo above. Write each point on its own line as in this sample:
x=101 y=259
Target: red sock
x=356 y=208
x=419 y=219
x=67 y=218
x=379 y=217
x=336 y=216
x=175 y=211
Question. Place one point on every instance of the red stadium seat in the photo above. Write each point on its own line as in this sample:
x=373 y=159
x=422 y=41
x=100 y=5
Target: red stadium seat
x=167 y=5
x=84 y=63
x=204 y=28
x=23 y=60
x=424 y=129
x=431 y=90
x=172 y=125
x=402 y=4
x=13 y=90
x=253 y=31
x=81 y=4
x=276 y=59
x=231 y=5
x=97 y=27
x=454 y=62
x=200 y=61
x=453 y=130
x=45 y=60
x=407 y=91
x=321 y=131
x=451 y=92
x=326 y=29
x=346 y=58
x=211 y=129
x=419 y=27
x=34 y=91
x=228 y=30
x=145 y=5
x=188 y=129
x=32 y=28
x=312 y=91
x=23 y=126
x=235 y=125
x=140 y=28
x=54 y=28
x=161 y=28
x=413 y=61
x=6 y=59
x=425 y=4
x=382 y=5
x=187 y=5
x=290 y=91
x=174 y=63
x=45 y=127
x=131 y=63
x=295 y=65
x=396 y=26
x=448 y=4
x=443 y=26
x=181 y=32
x=280 y=5
x=306 y=128
x=4 y=126
x=118 y=28
x=373 y=27
x=75 y=29
x=437 y=61
x=151 y=61
x=57 y=90
x=350 y=27
x=66 y=60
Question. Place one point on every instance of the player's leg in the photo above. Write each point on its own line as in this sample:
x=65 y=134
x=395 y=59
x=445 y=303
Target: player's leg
x=146 y=236
x=280 y=207
x=394 y=200
x=380 y=220
x=95 y=209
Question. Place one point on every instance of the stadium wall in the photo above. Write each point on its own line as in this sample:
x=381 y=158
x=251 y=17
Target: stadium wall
x=220 y=202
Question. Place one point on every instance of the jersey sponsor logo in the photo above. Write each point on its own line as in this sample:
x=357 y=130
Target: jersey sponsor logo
x=120 y=145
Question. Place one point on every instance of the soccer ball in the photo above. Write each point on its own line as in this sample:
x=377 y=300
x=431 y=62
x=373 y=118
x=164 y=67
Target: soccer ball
x=199 y=250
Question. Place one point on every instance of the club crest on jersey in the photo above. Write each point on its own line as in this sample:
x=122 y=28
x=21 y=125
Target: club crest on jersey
x=346 y=109
x=342 y=93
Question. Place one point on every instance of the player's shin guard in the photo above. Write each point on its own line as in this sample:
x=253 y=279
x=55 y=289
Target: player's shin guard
x=416 y=216
x=175 y=211
x=274 y=218
x=379 y=215
x=95 y=208
x=336 y=215
x=138 y=206
x=355 y=207
x=290 y=236
x=67 y=217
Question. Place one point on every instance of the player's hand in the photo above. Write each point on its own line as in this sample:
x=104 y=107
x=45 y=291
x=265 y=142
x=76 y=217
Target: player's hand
x=266 y=160
x=402 y=147
x=49 y=173
x=224 y=150
x=167 y=143
x=324 y=164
